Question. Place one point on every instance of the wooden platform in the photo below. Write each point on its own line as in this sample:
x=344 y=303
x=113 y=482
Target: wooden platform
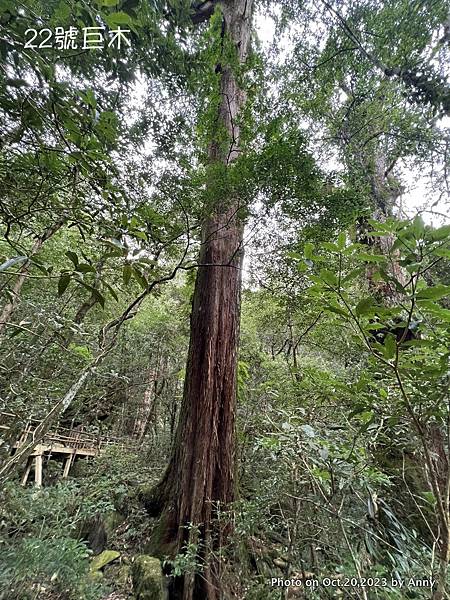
x=63 y=442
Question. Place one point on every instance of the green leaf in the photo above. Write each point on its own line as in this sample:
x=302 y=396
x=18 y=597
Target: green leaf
x=429 y=497
x=140 y=278
x=399 y=243
x=434 y=293
x=335 y=308
x=341 y=240
x=377 y=346
x=16 y=82
x=428 y=304
x=374 y=326
x=366 y=416
x=85 y=268
x=352 y=274
x=308 y=250
x=82 y=351
x=377 y=224
x=330 y=246
x=378 y=258
x=413 y=267
x=329 y=277
x=364 y=306
x=321 y=474
x=63 y=282
x=398 y=286
x=89 y=97
x=360 y=408
x=118 y=18
x=444 y=252
x=126 y=274
x=437 y=311
x=351 y=249
x=419 y=343
x=42 y=268
x=390 y=346
x=73 y=257
x=111 y=291
x=418 y=227
x=140 y=235
x=441 y=233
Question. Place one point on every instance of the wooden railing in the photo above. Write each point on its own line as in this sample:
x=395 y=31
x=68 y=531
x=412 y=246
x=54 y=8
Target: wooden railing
x=75 y=438
x=69 y=443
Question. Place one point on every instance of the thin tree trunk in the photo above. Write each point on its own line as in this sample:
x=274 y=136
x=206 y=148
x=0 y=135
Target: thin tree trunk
x=86 y=306
x=146 y=410
x=145 y=406
x=200 y=476
x=11 y=306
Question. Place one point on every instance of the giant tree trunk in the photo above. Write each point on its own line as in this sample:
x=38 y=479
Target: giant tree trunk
x=384 y=191
x=200 y=476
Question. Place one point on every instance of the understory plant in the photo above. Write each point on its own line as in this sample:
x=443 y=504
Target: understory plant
x=400 y=321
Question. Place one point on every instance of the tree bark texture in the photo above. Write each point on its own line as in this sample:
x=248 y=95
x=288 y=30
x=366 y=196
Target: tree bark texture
x=384 y=192
x=200 y=476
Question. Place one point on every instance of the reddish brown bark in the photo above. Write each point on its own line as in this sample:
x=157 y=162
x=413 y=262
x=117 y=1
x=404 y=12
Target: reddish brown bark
x=201 y=473
x=200 y=476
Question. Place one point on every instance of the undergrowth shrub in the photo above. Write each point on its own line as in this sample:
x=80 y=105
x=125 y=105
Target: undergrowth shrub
x=55 y=567
x=41 y=553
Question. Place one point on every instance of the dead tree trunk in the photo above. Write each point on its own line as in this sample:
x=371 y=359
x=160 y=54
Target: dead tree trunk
x=200 y=476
